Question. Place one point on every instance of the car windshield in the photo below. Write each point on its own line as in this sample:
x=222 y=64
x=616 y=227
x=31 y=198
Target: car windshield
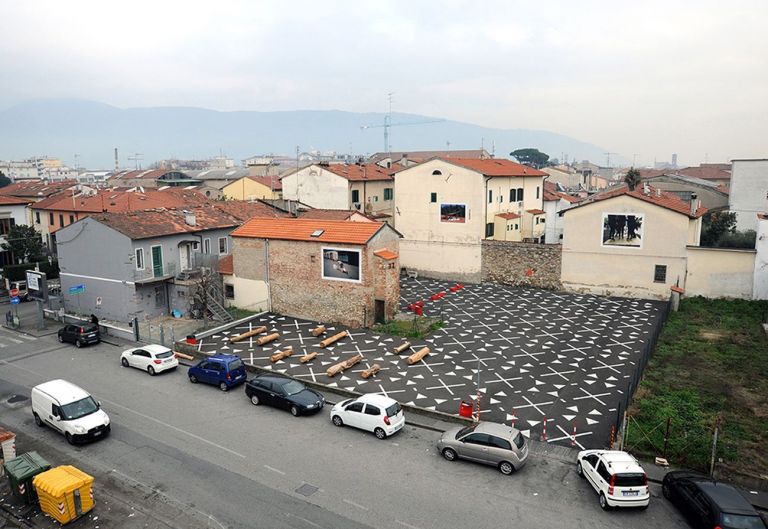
x=293 y=387
x=629 y=480
x=393 y=410
x=739 y=521
x=519 y=441
x=164 y=354
x=79 y=408
x=235 y=364
x=467 y=429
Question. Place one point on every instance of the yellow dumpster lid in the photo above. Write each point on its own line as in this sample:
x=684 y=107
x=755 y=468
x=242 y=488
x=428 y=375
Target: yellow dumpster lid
x=61 y=480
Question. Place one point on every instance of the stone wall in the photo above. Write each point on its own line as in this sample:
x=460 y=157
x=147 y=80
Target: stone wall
x=522 y=264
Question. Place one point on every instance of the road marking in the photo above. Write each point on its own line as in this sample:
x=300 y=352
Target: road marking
x=313 y=524
x=190 y=434
x=406 y=524
x=361 y=507
x=274 y=470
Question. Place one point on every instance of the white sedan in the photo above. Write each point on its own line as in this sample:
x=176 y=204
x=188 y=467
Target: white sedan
x=150 y=358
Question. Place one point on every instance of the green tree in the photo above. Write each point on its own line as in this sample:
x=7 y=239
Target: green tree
x=4 y=180
x=533 y=157
x=25 y=243
x=632 y=178
x=715 y=225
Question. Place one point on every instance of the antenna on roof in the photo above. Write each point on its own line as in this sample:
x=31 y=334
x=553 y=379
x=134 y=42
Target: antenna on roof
x=137 y=158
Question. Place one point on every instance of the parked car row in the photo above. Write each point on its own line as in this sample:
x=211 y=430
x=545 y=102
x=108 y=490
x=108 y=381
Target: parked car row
x=617 y=477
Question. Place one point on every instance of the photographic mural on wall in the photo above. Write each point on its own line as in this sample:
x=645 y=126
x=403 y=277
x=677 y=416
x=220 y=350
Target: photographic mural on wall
x=620 y=229
x=453 y=213
x=341 y=264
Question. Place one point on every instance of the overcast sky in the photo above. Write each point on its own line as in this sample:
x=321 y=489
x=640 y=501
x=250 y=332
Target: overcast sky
x=639 y=78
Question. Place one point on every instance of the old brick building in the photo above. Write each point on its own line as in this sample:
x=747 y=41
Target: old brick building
x=326 y=270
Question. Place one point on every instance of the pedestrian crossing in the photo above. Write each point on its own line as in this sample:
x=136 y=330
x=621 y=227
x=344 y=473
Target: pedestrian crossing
x=9 y=338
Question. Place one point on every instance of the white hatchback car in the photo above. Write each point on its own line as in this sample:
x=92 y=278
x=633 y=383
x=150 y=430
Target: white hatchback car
x=150 y=358
x=375 y=413
x=616 y=476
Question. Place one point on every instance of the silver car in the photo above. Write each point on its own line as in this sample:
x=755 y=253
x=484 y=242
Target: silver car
x=489 y=443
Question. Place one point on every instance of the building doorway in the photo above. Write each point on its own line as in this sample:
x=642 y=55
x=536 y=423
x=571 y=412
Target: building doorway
x=379 y=313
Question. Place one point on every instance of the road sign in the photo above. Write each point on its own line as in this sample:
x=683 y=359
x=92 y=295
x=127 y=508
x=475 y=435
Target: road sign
x=15 y=301
x=98 y=301
x=14 y=292
x=77 y=289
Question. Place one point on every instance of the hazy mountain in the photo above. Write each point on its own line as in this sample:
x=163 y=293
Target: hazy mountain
x=92 y=130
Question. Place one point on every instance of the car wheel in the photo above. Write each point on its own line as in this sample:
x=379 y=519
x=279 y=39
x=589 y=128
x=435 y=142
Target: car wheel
x=151 y=371
x=61 y=339
x=380 y=433
x=336 y=420
x=449 y=454
x=255 y=399
x=666 y=491
x=506 y=468
x=78 y=344
x=38 y=420
x=70 y=439
x=124 y=361
x=223 y=386
x=579 y=470
x=294 y=411
x=604 y=502
x=193 y=379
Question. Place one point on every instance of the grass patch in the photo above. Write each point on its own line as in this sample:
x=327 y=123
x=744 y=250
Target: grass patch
x=418 y=327
x=238 y=313
x=710 y=363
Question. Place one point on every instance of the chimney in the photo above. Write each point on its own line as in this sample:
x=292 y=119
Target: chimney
x=694 y=204
x=190 y=219
x=658 y=192
x=646 y=189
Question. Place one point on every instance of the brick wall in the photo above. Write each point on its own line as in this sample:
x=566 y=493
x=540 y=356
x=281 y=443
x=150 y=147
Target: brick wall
x=522 y=264
x=249 y=256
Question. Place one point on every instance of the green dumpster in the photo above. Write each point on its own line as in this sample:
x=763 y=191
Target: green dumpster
x=20 y=472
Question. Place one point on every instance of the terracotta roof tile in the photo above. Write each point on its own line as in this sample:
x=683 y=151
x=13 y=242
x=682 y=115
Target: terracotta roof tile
x=535 y=211
x=14 y=201
x=334 y=231
x=495 y=166
x=247 y=209
x=162 y=221
x=707 y=172
x=570 y=198
x=386 y=254
x=655 y=196
x=226 y=265
x=508 y=216
x=326 y=214
x=362 y=172
x=36 y=188
x=426 y=155
x=120 y=200
x=273 y=181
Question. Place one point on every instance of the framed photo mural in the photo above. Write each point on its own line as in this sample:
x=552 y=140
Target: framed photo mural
x=341 y=264
x=454 y=213
x=623 y=230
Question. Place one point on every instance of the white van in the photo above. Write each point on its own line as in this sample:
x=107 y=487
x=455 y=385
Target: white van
x=69 y=410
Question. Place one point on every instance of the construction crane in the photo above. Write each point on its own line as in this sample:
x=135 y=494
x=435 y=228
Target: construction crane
x=136 y=158
x=608 y=158
x=388 y=123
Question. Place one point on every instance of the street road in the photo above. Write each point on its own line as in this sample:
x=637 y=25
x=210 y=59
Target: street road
x=232 y=464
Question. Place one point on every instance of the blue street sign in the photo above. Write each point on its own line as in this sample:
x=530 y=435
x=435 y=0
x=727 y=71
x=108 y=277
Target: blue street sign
x=15 y=300
x=77 y=289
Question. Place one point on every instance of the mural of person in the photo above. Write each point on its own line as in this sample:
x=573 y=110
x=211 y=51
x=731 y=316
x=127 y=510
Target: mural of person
x=621 y=221
x=632 y=225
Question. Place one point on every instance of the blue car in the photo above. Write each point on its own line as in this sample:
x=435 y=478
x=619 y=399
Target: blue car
x=223 y=370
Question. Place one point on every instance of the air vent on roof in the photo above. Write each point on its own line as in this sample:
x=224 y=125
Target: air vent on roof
x=317 y=233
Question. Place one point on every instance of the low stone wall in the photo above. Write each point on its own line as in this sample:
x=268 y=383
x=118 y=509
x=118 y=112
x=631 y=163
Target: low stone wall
x=522 y=264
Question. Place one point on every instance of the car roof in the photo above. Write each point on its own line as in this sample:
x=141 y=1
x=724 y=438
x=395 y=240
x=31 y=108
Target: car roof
x=268 y=376
x=155 y=348
x=379 y=400
x=620 y=462
x=63 y=391
x=224 y=357
x=725 y=496
x=494 y=428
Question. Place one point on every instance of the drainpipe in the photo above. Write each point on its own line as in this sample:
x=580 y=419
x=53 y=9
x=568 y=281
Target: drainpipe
x=485 y=208
x=266 y=275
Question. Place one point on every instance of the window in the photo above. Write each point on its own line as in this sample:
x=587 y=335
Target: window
x=139 y=258
x=356 y=407
x=37 y=217
x=537 y=191
x=375 y=198
x=603 y=472
x=433 y=197
x=490 y=196
x=222 y=245
x=370 y=409
x=61 y=220
x=355 y=195
x=489 y=229
x=477 y=439
x=437 y=172
x=71 y=219
x=517 y=226
x=229 y=291
x=207 y=246
x=498 y=442
x=50 y=219
x=519 y=194
x=660 y=274
x=388 y=193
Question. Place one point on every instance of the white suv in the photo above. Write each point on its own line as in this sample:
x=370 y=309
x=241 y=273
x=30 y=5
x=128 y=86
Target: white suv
x=616 y=476
x=375 y=413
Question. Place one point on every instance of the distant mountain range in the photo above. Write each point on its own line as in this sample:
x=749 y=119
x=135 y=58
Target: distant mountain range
x=65 y=127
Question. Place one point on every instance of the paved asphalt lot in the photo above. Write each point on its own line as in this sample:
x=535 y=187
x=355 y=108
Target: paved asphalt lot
x=565 y=357
x=229 y=464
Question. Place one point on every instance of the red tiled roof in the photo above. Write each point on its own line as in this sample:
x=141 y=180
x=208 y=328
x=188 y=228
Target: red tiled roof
x=362 y=172
x=162 y=221
x=273 y=182
x=535 y=211
x=724 y=189
x=143 y=174
x=247 y=209
x=120 y=200
x=326 y=214
x=334 y=231
x=707 y=172
x=495 y=167
x=226 y=265
x=426 y=155
x=386 y=254
x=570 y=198
x=655 y=196
x=14 y=201
x=508 y=216
x=36 y=188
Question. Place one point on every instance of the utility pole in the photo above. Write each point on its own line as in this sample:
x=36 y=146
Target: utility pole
x=608 y=158
x=387 y=124
x=137 y=157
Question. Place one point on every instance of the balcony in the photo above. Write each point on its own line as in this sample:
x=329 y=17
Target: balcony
x=153 y=274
